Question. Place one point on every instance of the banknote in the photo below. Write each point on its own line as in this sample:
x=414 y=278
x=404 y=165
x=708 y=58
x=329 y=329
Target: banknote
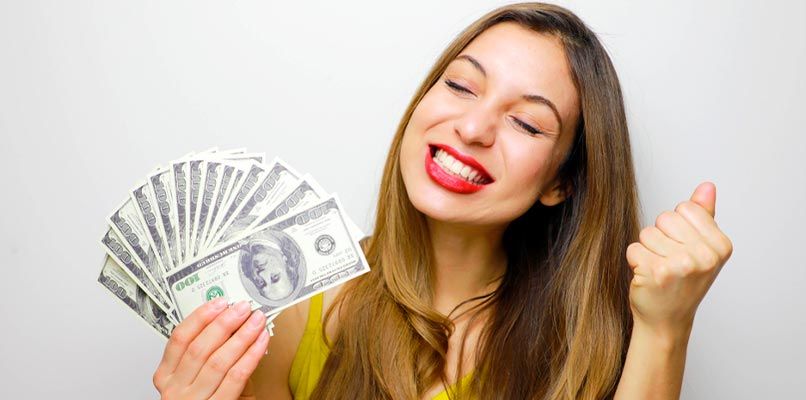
x=119 y=283
x=229 y=196
x=221 y=223
x=231 y=175
x=195 y=177
x=275 y=184
x=180 y=172
x=115 y=248
x=275 y=266
x=223 y=187
x=307 y=192
x=145 y=200
x=163 y=188
x=210 y=182
x=125 y=221
x=245 y=188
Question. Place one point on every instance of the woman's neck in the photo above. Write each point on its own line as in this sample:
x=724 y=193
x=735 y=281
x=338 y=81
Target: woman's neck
x=469 y=260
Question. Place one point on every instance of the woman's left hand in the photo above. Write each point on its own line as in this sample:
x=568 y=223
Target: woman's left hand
x=675 y=263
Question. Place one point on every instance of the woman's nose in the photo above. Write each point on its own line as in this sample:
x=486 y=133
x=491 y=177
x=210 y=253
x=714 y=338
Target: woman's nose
x=477 y=125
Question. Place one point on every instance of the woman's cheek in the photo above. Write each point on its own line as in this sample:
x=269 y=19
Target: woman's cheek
x=526 y=166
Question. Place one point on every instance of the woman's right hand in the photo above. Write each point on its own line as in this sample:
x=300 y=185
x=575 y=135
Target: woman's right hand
x=212 y=353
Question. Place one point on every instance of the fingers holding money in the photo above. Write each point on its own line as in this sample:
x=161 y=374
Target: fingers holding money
x=219 y=366
x=209 y=340
x=182 y=336
x=203 y=346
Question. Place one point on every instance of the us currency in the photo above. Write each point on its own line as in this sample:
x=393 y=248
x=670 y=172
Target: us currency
x=115 y=248
x=307 y=192
x=245 y=176
x=115 y=279
x=179 y=169
x=275 y=266
x=244 y=188
x=274 y=185
x=126 y=223
x=163 y=188
x=230 y=176
x=211 y=183
x=145 y=200
x=256 y=157
x=304 y=195
x=195 y=177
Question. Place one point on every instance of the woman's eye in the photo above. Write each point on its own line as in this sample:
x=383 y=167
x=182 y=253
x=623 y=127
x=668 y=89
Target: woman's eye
x=532 y=130
x=456 y=87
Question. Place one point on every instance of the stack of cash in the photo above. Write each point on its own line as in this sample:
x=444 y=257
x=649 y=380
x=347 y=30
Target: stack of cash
x=222 y=223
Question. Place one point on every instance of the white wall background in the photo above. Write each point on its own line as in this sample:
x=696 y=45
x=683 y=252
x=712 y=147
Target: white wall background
x=93 y=94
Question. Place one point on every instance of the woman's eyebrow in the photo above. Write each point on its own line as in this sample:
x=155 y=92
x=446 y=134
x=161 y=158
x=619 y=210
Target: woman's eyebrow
x=532 y=98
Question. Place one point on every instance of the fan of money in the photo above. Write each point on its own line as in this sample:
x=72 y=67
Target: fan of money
x=222 y=223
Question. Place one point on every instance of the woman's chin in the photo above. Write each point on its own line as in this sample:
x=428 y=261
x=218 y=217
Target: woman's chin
x=443 y=206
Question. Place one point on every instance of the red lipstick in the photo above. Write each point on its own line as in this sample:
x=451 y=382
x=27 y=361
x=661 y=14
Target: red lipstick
x=450 y=181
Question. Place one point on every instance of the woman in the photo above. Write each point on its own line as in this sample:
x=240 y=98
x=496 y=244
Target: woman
x=506 y=257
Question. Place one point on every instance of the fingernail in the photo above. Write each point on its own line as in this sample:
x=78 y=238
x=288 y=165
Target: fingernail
x=255 y=321
x=218 y=303
x=263 y=336
x=242 y=308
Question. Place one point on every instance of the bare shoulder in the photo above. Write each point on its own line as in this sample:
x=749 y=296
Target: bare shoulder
x=270 y=378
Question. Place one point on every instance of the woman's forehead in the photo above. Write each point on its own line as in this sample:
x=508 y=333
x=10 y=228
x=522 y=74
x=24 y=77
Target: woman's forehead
x=525 y=61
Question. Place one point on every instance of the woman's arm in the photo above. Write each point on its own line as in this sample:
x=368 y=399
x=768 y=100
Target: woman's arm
x=654 y=365
x=674 y=265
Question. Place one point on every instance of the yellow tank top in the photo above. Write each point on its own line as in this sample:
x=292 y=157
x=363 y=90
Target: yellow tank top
x=312 y=353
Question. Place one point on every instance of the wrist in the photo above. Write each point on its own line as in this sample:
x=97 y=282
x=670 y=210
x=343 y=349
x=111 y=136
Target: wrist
x=669 y=338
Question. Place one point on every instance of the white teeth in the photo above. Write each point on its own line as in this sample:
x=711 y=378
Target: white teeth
x=465 y=171
x=456 y=167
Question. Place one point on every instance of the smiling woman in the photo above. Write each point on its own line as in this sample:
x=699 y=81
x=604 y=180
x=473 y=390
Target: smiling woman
x=507 y=206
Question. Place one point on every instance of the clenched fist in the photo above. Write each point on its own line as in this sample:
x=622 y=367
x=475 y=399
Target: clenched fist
x=676 y=261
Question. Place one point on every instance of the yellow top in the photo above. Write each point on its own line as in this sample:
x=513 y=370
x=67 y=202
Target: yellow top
x=312 y=353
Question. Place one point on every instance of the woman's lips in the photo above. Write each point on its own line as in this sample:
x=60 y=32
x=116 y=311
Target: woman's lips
x=451 y=180
x=464 y=159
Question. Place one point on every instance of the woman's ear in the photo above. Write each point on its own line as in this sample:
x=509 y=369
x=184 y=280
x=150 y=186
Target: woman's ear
x=556 y=194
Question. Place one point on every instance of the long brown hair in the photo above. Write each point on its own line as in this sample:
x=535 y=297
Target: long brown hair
x=560 y=318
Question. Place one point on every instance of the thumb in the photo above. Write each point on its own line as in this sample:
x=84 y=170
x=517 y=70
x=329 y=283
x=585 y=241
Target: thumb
x=705 y=196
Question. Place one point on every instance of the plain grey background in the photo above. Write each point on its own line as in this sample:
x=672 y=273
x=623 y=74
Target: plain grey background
x=93 y=94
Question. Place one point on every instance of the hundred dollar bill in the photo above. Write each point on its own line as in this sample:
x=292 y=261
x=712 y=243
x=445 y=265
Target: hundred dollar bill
x=274 y=185
x=215 y=177
x=211 y=182
x=126 y=223
x=119 y=283
x=307 y=192
x=115 y=248
x=275 y=266
x=304 y=195
x=227 y=196
x=195 y=177
x=146 y=203
x=231 y=174
x=162 y=185
x=244 y=188
x=180 y=172
x=256 y=157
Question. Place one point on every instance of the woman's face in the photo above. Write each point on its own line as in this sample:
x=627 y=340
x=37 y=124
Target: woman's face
x=487 y=137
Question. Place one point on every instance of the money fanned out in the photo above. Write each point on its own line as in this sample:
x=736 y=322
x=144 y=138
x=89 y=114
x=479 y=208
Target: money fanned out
x=223 y=223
